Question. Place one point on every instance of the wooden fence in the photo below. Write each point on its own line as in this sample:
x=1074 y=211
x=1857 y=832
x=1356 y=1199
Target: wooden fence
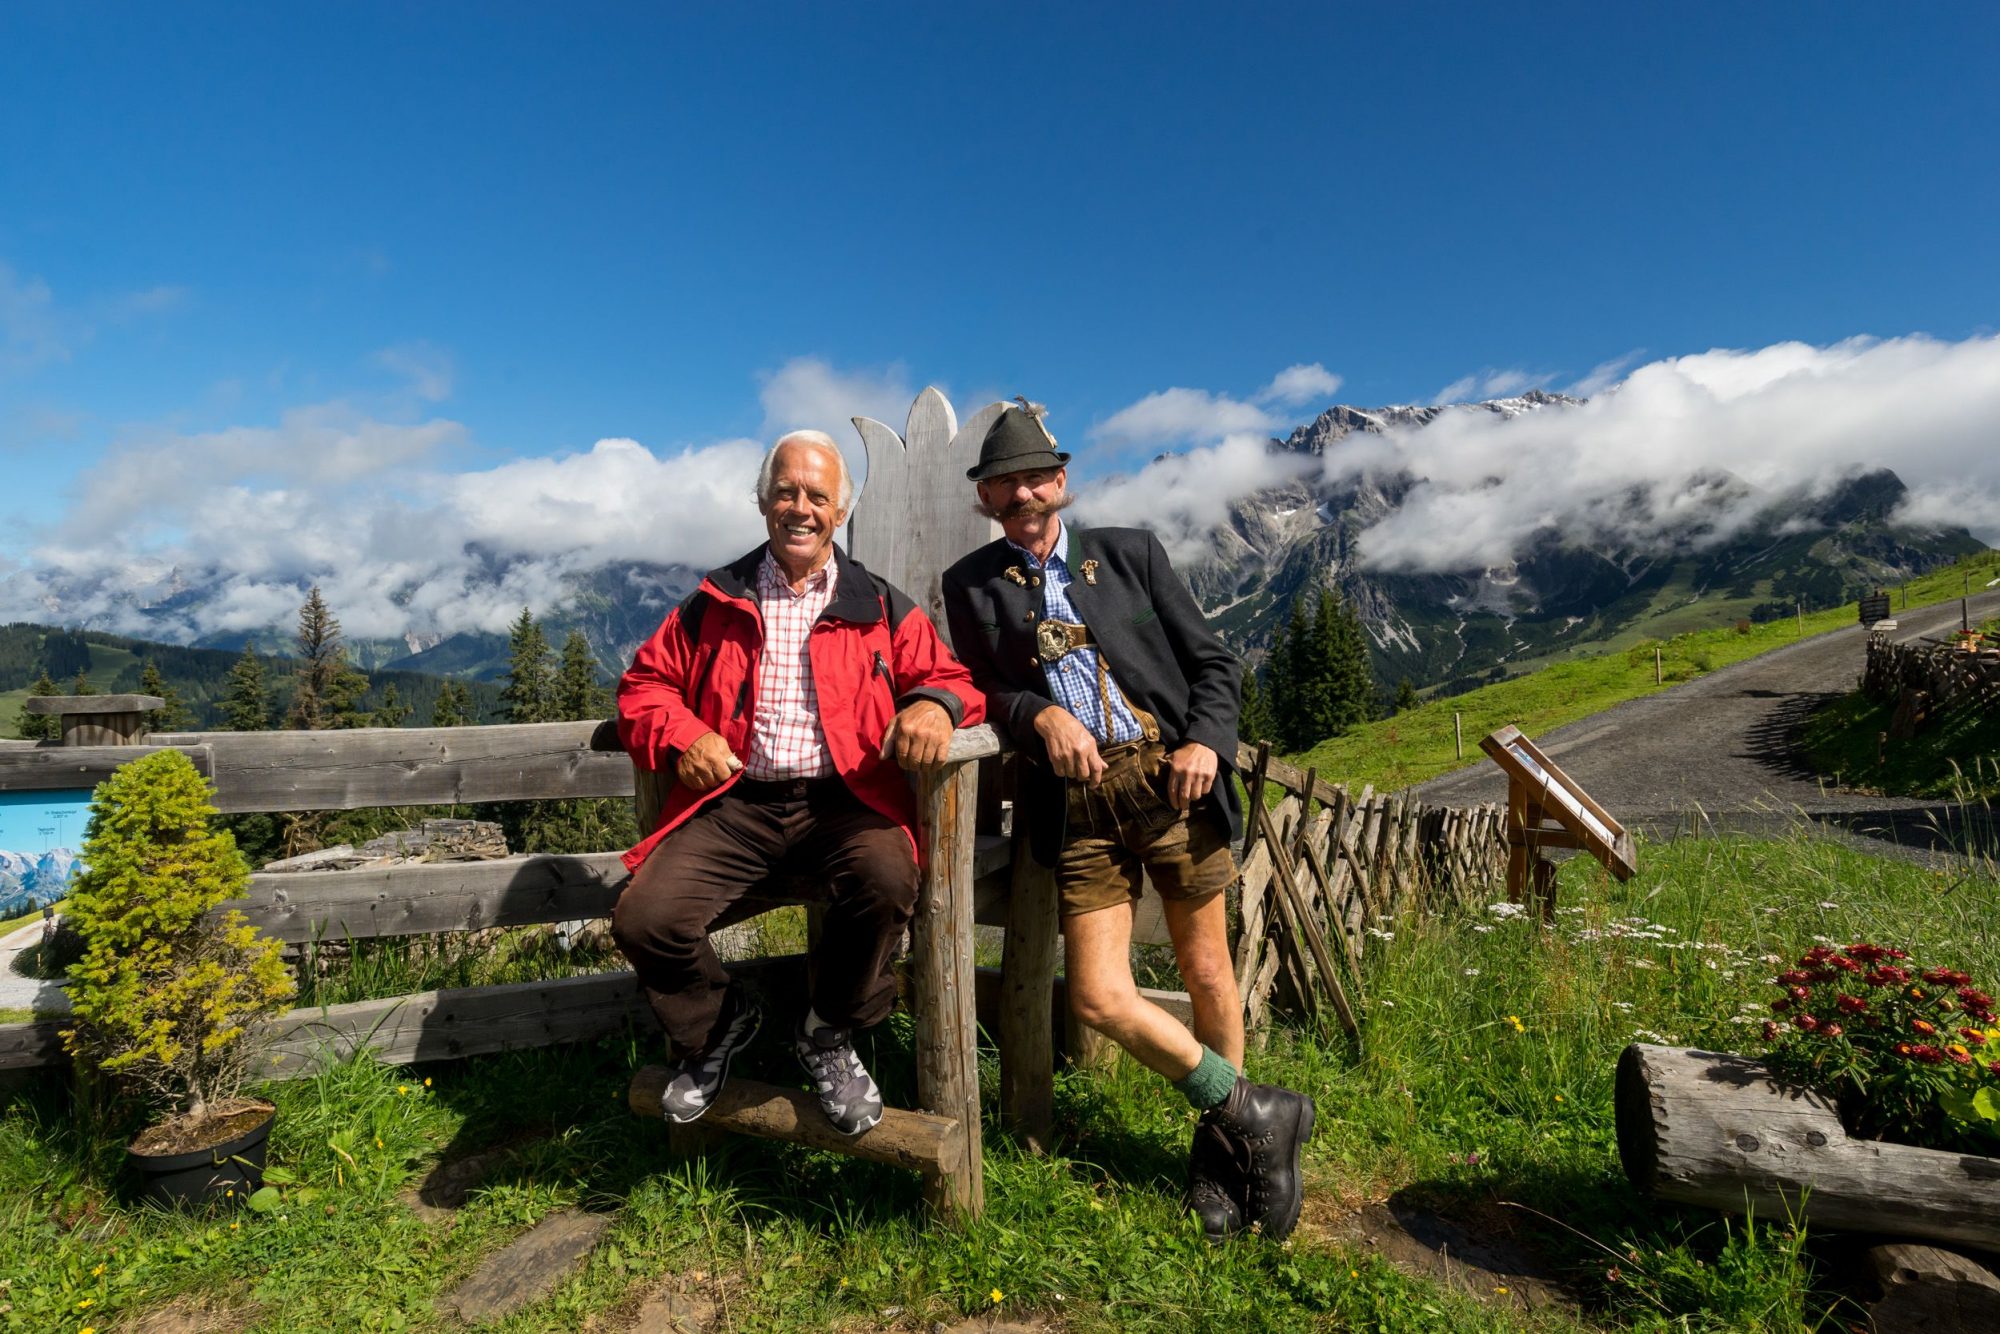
x=1929 y=679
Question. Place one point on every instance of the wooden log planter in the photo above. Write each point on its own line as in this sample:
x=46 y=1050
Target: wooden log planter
x=1709 y=1128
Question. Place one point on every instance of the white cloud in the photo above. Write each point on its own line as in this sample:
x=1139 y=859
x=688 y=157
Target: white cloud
x=427 y=369
x=1182 y=497
x=1300 y=385
x=1603 y=375
x=30 y=332
x=1182 y=416
x=1489 y=384
x=1634 y=464
x=806 y=392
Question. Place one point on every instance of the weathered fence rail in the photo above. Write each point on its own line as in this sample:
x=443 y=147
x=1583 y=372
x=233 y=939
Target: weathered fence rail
x=1929 y=679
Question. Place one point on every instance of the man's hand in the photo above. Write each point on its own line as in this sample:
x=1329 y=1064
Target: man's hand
x=1191 y=773
x=1072 y=749
x=919 y=736
x=707 y=763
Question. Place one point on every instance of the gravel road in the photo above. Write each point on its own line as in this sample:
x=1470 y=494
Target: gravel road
x=1718 y=751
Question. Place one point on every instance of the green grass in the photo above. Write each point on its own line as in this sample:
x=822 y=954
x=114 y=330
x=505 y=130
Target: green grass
x=1956 y=757
x=1449 y=1108
x=1417 y=744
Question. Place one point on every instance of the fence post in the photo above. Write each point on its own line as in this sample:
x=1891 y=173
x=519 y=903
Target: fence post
x=1659 y=671
x=947 y=1022
x=1457 y=734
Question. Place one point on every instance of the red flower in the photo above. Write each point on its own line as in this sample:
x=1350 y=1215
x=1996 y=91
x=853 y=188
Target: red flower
x=1832 y=1030
x=1865 y=952
x=1806 y=1023
x=1800 y=993
x=1993 y=1066
x=1781 y=1005
x=1959 y=1054
x=1973 y=1035
x=1895 y=953
x=1924 y=1026
x=1850 y=1004
x=1888 y=975
x=1946 y=977
x=1793 y=977
x=1903 y=1049
x=1974 y=1000
x=1844 y=964
x=1817 y=954
x=1925 y=1052
x=1771 y=1033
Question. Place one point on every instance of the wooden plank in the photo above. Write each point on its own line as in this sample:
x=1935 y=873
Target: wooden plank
x=37 y=1042
x=914 y=516
x=1930 y=1290
x=1026 y=1024
x=528 y=1268
x=1256 y=876
x=41 y=768
x=934 y=1145
x=449 y=1024
x=944 y=1004
x=1708 y=1128
x=424 y=898
x=1291 y=903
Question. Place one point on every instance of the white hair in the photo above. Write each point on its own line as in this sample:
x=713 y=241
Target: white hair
x=817 y=439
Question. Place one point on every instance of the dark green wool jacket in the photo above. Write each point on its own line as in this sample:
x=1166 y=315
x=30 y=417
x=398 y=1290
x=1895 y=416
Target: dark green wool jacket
x=1154 y=639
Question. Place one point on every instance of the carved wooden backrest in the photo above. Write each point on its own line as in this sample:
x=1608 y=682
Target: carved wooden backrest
x=914 y=515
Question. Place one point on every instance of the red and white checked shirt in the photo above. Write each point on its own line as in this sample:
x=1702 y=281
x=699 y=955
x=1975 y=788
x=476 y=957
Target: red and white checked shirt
x=786 y=740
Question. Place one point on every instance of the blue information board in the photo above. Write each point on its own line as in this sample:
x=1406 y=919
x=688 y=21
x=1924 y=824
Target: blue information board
x=41 y=834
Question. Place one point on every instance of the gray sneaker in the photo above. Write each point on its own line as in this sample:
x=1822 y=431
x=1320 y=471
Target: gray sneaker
x=693 y=1082
x=847 y=1092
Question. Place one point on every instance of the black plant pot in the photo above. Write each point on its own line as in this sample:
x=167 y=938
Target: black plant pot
x=198 y=1176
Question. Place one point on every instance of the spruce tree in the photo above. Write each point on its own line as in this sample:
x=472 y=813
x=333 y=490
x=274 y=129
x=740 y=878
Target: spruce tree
x=173 y=716
x=246 y=704
x=392 y=712
x=578 y=696
x=1281 y=696
x=81 y=685
x=1406 y=696
x=328 y=689
x=1253 y=717
x=530 y=691
x=39 y=726
x=453 y=707
x=1353 y=677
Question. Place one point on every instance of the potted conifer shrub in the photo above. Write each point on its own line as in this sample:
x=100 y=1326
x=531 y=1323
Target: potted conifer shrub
x=167 y=991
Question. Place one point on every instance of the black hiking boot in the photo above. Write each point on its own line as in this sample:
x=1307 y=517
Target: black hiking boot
x=1216 y=1179
x=1272 y=1124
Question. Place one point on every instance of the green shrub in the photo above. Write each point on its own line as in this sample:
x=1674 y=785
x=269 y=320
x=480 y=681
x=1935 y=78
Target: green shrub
x=165 y=993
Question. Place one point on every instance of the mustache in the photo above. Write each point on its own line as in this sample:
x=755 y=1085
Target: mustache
x=1030 y=506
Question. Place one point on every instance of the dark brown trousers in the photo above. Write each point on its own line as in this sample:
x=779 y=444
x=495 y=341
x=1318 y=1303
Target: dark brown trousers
x=813 y=828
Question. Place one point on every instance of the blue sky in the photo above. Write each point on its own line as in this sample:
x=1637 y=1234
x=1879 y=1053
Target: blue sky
x=529 y=228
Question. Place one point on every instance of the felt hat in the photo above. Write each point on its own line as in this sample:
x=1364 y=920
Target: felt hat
x=1017 y=441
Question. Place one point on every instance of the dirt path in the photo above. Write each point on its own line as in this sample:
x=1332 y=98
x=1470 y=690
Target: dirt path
x=1718 y=751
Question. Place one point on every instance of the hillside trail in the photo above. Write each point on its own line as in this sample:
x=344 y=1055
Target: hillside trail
x=1720 y=753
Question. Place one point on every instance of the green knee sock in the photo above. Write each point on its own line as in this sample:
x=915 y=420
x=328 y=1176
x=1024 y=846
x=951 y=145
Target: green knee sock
x=1209 y=1083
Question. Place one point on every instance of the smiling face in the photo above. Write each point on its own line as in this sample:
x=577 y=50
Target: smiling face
x=802 y=508
x=1026 y=504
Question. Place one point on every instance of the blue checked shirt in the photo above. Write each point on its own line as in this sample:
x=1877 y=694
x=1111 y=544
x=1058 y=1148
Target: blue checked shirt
x=1073 y=677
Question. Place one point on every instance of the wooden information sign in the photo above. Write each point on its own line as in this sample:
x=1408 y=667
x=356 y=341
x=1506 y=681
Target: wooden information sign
x=1874 y=607
x=1537 y=791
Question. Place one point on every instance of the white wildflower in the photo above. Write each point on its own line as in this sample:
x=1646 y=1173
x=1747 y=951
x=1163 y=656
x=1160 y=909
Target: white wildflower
x=1472 y=972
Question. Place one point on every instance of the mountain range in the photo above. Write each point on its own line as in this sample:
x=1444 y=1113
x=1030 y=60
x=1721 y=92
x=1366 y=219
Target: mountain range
x=27 y=882
x=1451 y=629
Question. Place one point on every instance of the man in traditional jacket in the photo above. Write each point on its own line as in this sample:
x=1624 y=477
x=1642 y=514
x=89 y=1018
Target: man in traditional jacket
x=774 y=698
x=1100 y=668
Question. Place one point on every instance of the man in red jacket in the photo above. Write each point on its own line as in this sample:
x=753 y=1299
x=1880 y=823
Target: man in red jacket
x=777 y=695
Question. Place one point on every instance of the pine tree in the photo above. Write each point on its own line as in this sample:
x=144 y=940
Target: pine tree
x=328 y=689
x=1353 y=676
x=392 y=712
x=578 y=696
x=246 y=705
x=530 y=691
x=39 y=726
x=173 y=716
x=81 y=685
x=1281 y=696
x=1253 y=717
x=453 y=707
x=1406 y=696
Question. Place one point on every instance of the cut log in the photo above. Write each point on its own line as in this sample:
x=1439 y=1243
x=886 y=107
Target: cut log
x=934 y=1145
x=1927 y=1290
x=1708 y=1128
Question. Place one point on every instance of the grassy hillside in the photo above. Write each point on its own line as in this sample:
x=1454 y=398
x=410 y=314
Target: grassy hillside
x=1417 y=744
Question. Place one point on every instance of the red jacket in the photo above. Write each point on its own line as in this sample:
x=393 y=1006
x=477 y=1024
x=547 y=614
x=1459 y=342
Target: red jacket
x=872 y=652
